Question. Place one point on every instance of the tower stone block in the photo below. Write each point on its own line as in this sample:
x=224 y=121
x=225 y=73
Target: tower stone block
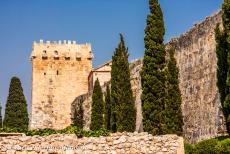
x=59 y=73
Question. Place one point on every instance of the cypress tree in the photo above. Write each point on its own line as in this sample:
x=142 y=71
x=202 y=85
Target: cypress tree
x=173 y=113
x=107 y=108
x=123 y=107
x=78 y=116
x=97 y=107
x=16 y=115
x=222 y=63
x=223 y=48
x=153 y=72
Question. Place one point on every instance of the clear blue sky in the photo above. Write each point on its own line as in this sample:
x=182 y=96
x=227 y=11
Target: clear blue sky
x=96 y=21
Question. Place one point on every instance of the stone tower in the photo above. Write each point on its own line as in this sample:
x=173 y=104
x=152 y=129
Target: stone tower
x=60 y=73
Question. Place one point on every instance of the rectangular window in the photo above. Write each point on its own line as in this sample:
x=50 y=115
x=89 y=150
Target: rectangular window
x=67 y=58
x=78 y=59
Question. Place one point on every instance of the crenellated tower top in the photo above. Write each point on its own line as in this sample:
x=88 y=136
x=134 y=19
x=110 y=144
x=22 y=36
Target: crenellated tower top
x=60 y=50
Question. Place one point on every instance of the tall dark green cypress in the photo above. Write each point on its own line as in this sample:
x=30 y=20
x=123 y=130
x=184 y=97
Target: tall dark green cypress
x=97 y=107
x=123 y=105
x=173 y=113
x=16 y=115
x=153 y=72
x=78 y=116
x=107 y=108
x=222 y=63
x=223 y=48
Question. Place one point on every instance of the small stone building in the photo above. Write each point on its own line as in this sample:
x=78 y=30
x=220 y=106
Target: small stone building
x=102 y=72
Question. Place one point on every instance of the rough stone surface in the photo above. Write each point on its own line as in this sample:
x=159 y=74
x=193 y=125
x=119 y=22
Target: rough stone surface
x=197 y=63
x=135 y=68
x=59 y=73
x=86 y=101
x=119 y=143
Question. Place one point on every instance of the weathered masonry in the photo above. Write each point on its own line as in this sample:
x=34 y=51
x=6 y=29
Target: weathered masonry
x=60 y=73
x=197 y=63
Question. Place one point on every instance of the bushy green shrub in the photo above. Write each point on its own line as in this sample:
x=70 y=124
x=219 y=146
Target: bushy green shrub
x=41 y=132
x=68 y=130
x=219 y=145
x=223 y=147
x=189 y=148
x=12 y=130
x=206 y=147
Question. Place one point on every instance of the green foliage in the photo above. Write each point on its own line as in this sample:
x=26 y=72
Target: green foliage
x=107 y=108
x=78 y=116
x=219 y=145
x=223 y=147
x=122 y=100
x=16 y=115
x=69 y=130
x=12 y=130
x=223 y=55
x=173 y=113
x=97 y=107
x=222 y=64
x=189 y=148
x=41 y=132
x=153 y=74
x=206 y=147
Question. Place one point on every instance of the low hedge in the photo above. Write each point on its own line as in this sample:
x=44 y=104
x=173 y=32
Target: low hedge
x=220 y=145
x=223 y=147
x=69 y=130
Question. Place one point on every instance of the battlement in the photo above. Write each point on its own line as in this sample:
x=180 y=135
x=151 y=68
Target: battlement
x=63 y=50
x=59 y=42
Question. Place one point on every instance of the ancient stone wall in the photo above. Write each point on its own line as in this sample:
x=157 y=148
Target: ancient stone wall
x=119 y=143
x=59 y=74
x=197 y=63
x=135 y=77
x=86 y=101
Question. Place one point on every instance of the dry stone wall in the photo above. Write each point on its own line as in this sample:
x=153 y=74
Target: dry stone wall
x=119 y=143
